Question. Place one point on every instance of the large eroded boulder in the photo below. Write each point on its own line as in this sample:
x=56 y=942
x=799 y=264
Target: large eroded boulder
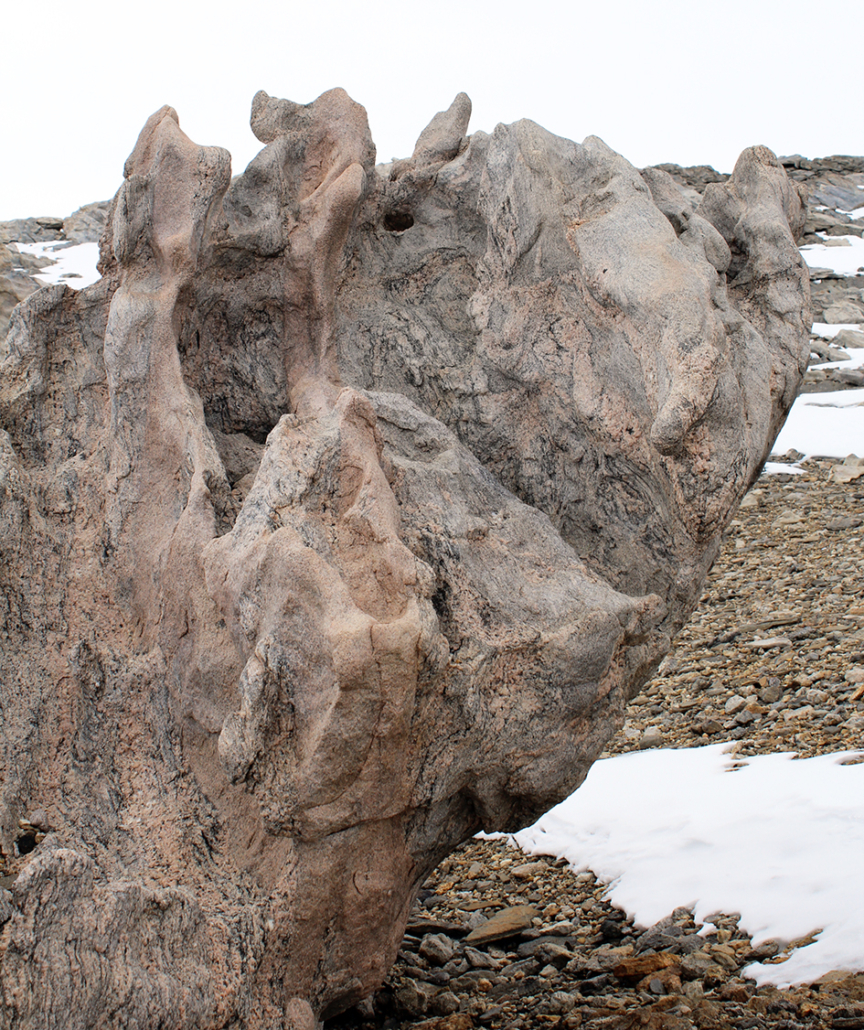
x=338 y=521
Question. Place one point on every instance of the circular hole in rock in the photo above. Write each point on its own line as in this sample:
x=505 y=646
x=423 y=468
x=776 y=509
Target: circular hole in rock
x=26 y=843
x=398 y=221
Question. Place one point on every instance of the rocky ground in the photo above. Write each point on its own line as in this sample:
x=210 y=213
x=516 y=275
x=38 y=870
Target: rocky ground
x=772 y=660
x=17 y=269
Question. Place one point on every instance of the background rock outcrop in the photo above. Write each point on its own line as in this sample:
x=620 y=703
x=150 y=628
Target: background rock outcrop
x=17 y=269
x=340 y=519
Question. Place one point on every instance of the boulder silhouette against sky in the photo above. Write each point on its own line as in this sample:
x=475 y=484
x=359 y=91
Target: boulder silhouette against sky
x=339 y=521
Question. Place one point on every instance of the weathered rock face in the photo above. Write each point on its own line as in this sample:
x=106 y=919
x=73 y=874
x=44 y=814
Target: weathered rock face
x=16 y=269
x=339 y=521
x=15 y=282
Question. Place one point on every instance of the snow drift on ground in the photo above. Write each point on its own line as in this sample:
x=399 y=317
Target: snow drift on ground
x=780 y=841
x=846 y=256
x=828 y=424
x=76 y=264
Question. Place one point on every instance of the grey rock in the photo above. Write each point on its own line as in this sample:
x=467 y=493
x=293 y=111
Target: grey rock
x=444 y=1004
x=553 y=954
x=663 y=938
x=562 y=1002
x=15 y=284
x=443 y=137
x=844 y=198
x=412 y=998
x=528 y=870
x=844 y=522
x=694 y=177
x=468 y=980
x=652 y=737
x=39 y=820
x=240 y=454
x=526 y=966
x=87 y=224
x=773 y=692
x=849 y=339
x=823 y=221
x=817 y=273
x=591 y=964
x=689 y=943
x=847 y=311
x=479 y=959
x=437 y=948
x=768 y=949
x=506 y=923
x=507 y=406
x=31 y=230
x=828 y=352
x=852 y=378
x=7 y=909
x=767 y=643
x=695 y=965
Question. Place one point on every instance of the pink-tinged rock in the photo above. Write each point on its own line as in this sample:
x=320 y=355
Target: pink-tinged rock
x=339 y=521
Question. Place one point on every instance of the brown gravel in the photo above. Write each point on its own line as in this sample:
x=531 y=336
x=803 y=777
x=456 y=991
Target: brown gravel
x=773 y=659
x=780 y=628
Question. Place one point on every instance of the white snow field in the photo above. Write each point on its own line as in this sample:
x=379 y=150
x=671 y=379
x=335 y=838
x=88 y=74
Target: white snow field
x=76 y=264
x=845 y=256
x=780 y=841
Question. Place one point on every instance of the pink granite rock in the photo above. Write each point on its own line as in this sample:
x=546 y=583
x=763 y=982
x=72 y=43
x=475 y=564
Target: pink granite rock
x=339 y=521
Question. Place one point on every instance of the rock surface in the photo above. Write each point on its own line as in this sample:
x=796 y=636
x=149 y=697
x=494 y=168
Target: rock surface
x=782 y=568
x=16 y=282
x=16 y=268
x=341 y=519
x=834 y=187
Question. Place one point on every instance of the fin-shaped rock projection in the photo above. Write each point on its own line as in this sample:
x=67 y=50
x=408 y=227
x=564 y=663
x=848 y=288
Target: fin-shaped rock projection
x=339 y=521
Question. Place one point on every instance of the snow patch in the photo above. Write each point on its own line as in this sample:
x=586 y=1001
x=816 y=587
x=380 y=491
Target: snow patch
x=75 y=264
x=845 y=258
x=830 y=424
x=779 y=841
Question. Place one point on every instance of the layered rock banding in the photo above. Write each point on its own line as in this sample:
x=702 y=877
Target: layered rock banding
x=339 y=521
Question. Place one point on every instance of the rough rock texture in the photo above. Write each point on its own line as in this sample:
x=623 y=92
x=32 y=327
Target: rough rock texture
x=43 y=229
x=87 y=223
x=16 y=269
x=340 y=520
x=16 y=282
x=83 y=226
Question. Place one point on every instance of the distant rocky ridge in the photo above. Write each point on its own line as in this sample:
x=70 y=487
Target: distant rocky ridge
x=834 y=186
x=85 y=225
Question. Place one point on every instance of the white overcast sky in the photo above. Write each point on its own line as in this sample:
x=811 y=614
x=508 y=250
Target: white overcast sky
x=690 y=82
